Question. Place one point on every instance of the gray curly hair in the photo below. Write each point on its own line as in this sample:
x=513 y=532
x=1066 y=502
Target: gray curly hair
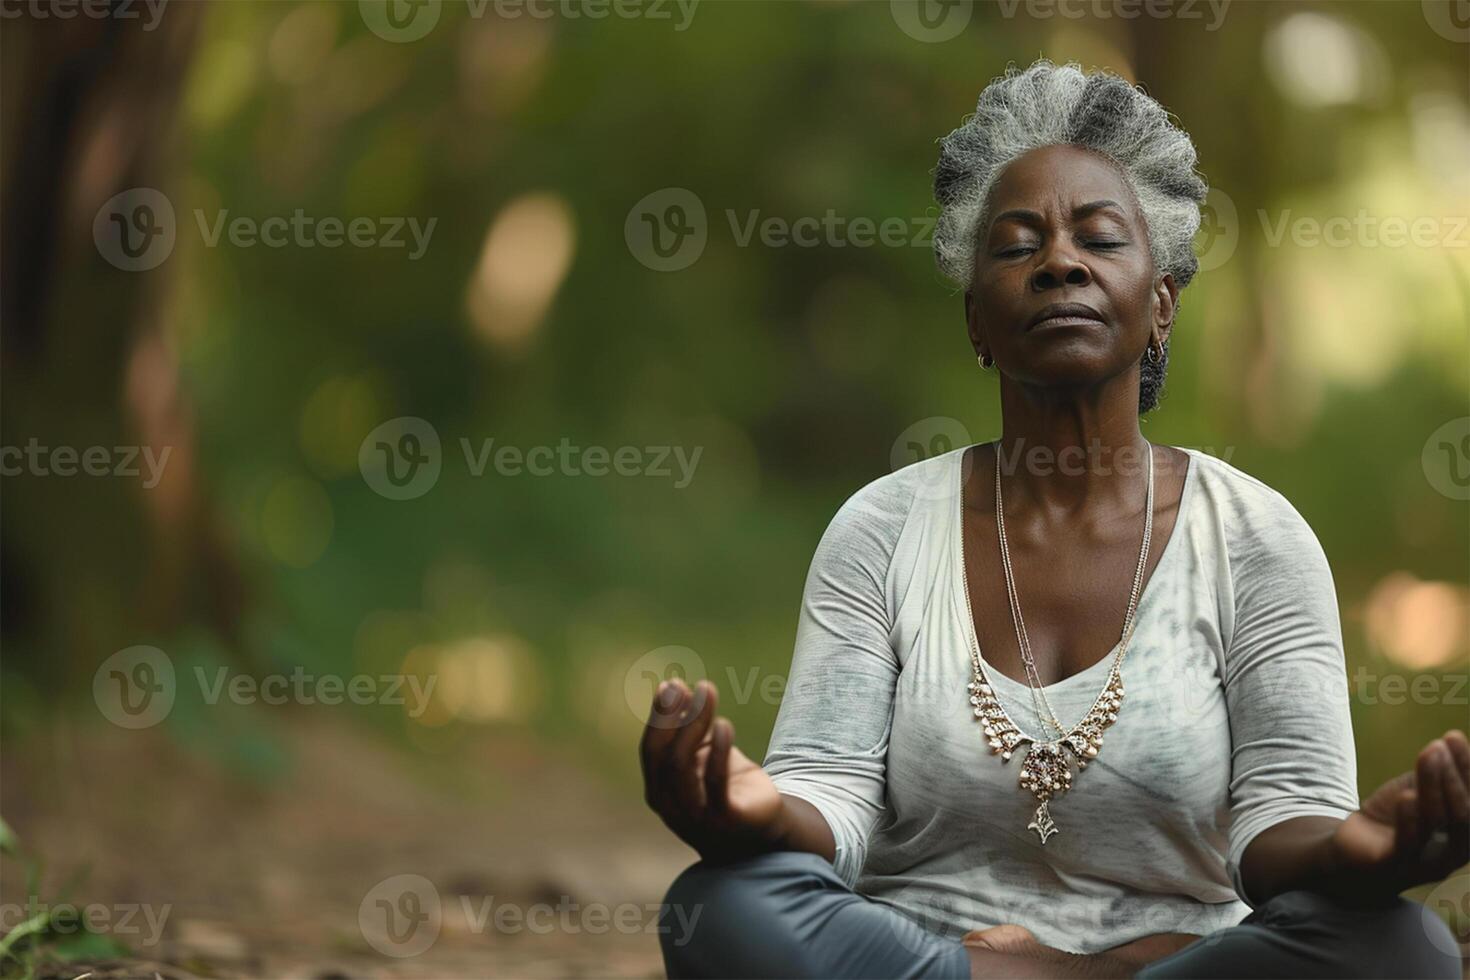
x=1047 y=104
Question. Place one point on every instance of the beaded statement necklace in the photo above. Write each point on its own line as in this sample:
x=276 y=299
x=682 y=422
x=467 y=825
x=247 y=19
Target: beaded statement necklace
x=1046 y=770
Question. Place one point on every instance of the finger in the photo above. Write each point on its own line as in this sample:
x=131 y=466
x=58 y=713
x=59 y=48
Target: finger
x=717 y=767
x=1406 y=829
x=659 y=733
x=698 y=714
x=1429 y=774
x=1458 y=789
x=658 y=739
x=662 y=710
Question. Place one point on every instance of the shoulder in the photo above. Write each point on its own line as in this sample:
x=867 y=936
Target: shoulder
x=1263 y=531
x=869 y=524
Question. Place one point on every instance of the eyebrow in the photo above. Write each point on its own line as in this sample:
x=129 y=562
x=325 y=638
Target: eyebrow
x=1027 y=216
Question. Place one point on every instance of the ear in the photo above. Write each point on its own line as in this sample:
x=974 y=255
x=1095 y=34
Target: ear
x=1166 y=305
x=973 y=326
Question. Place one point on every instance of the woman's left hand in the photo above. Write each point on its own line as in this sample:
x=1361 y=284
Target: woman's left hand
x=1415 y=828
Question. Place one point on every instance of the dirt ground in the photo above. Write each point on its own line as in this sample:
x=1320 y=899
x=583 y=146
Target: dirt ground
x=540 y=870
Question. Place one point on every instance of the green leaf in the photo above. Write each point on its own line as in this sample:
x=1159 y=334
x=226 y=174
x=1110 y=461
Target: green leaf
x=86 y=945
x=32 y=926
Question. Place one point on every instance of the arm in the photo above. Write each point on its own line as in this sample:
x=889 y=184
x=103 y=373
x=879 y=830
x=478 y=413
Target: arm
x=830 y=742
x=1295 y=818
x=822 y=786
x=710 y=793
x=1414 y=829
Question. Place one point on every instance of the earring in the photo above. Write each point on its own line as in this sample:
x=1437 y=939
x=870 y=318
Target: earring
x=985 y=361
x=1155 y=355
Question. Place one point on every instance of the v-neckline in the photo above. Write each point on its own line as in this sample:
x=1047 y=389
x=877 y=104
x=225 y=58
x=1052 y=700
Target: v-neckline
x=962 y=583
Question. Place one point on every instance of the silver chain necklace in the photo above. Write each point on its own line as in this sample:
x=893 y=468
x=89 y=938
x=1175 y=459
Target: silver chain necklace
x=1046 y=770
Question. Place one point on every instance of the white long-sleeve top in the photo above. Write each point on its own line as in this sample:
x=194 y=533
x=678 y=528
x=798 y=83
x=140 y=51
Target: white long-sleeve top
x=1235 y=718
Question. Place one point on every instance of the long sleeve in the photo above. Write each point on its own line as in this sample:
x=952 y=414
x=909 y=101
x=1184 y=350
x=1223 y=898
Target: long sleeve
x=830 y=740
x=1292 y=750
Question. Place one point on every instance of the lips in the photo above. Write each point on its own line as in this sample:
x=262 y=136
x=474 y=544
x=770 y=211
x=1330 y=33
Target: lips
x=1065 y=315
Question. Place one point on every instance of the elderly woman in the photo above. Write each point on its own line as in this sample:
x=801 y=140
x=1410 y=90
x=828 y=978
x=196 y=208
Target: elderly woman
x=959 y=783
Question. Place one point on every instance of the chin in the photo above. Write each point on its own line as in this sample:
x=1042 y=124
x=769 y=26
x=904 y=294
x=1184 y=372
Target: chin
x=1068 y=363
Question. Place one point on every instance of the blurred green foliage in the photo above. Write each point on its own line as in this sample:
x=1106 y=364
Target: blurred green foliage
x=1322 y=369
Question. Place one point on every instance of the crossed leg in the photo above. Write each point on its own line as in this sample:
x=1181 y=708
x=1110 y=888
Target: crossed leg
x=787 y=914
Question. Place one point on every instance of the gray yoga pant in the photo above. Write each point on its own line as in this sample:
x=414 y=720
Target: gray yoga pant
x=786 y=914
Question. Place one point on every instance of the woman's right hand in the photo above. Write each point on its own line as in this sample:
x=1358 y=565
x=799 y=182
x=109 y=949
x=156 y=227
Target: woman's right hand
x=709 y=793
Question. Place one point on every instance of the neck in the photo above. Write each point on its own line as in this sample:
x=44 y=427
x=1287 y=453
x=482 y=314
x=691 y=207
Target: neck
x=1062 y=449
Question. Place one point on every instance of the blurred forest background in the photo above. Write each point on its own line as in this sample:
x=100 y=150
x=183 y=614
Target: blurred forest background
x=561 y=157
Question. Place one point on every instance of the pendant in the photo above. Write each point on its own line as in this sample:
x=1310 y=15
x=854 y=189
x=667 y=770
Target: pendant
x=1041 y=823
x=1046 y=770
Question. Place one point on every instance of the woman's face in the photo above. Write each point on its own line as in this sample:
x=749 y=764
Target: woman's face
x=1065 y=287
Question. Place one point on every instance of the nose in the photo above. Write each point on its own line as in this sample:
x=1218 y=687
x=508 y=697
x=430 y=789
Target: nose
x=1059 y=266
